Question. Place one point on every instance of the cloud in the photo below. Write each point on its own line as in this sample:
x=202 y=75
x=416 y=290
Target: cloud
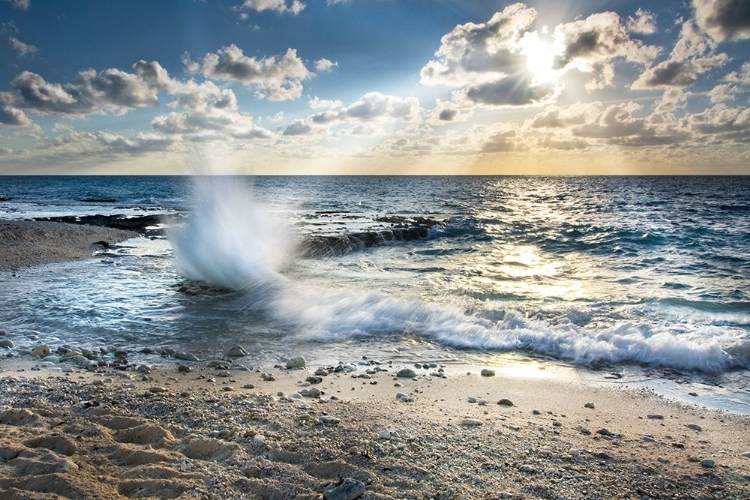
x=140 y=144
x=724 y=19
x=742 y=76
x=20 y=4
x=644 y=22
x=722 y=119
x=722 y=93
x=596 y=40
x=14 y=117
x=297 y=127
x=109 y=91
x=317 y=103
x=324 y=65
x=692 y=55
x=21 y=48
x=510 y=92
x=276 y=78
x=279 y=6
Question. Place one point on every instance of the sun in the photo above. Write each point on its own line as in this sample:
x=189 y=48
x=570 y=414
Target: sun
x=540 y=58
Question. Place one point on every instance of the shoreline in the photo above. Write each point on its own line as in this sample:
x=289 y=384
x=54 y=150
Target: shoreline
x=219 y=431
x=25 y=244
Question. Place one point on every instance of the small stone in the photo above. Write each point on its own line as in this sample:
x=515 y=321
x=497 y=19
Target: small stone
x=185 y=356
x=157 y=389
x=649 y=439
x=746 y=454
x=349 y=489
x=386 y=434
x=296 y=363
x=8 y=344
x=184 y=369
x=321 y=372
x=556 y=423
x=655 y=416
x=472 y=399
x=227 y=388
x=471 y=422
x=605 y=432
x=486 y=372
x=482 y=402
x=40 y=351
x=312 y=392
x=695 y=427
x=536 y=412
x=248 y=386
x=505 y=402
x=589 y=405
x=406 y=373
x=708 y=463
x=693 y=459
x=236 y=352
x=527 y=469
x=223 y=373
x=315 y=379
x=329 y=420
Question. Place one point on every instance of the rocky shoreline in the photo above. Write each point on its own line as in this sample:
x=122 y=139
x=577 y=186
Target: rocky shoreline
x=360 y=429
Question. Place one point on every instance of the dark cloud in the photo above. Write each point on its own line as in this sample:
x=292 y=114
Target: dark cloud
x=13 y=117
x=510 y=92
x=724 y=19
x=675 y=73
x=297 y=127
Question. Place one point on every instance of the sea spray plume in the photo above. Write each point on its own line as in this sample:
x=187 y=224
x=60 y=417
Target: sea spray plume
x=228 y=239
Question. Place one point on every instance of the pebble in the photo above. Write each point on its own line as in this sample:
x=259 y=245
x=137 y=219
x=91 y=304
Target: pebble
x=157 y=389
x=349 y=489
x=482 y=402
x=313 y=392
x=321 y=372
x=692 y=458
x=589 y=405
x=329 y=420
x=471 y=422
x=386 y=434
x=695 y=427
x=708 y=463
x=655 y=416
x=527 y=469
x=486 y=372
x=184 y=369
x=223 y=373
x=746 y=454
x=406 y=373
x=403 y=397
x=649 y=439
x=8 y=344
x=267 y=377
x=472 y=399
x=314 y=379
x=236 y=352
x=556 y=423
x=248 y=386
x=296 y=363
x=505 y=402
x=605 y=432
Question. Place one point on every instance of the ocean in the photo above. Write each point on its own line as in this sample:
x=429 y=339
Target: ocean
x=631 y=280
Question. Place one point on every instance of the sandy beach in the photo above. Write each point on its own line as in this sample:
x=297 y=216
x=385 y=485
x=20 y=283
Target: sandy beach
x=219 y=429
x=33 y=243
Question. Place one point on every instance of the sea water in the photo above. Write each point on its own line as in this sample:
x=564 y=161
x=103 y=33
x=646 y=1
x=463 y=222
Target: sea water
x=645 y=278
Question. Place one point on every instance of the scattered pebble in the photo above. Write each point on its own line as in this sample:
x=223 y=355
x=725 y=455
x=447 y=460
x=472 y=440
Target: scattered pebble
x=655 y=416
x=486 y=372
x=708 y=463
x=589 y=405
x=695 y=427
x=471 y=422
x=406 y=373
x=296 y=363
x=349 y=489
x=505 y=402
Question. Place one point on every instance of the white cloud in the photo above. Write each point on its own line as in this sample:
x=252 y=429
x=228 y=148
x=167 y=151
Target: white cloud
x=276 y=78
x=722 y=93
x=742 y=76
x=324 y=65
x=644 y=22
x=21 y=48
x=14 y=117
x=109 y=91
x=141 y=143
x=279 y=6
x=692 y=55
x=317 y=103
x=724 y=19
x=20 y=4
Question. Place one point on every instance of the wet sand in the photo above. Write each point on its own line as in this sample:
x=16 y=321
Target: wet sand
x=33 y=243
x=222 y=430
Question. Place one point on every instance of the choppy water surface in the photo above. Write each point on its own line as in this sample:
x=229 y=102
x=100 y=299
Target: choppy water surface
x=647 y=276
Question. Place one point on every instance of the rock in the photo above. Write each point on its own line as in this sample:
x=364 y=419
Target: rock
x=403 y=397
x=556 y=423
x=695 y=427
x=406 y=373
x=8 y=344
x=693 y=459
x=296 y=363
x=40 y=351
x=471 y=422
x=605 y=432
x=236 y=352
x=649 y=439
x=746 y=454
x=486 y=372
x=328 y=420
x=157 y=389
x=184 y=369
x=315 y=379
x=349 y=489
x=527 y=469
x=386 y=434
x=472 y=399
x=708 y=463
x=321 y=372
x=505 y=402
x=267 y=377
x=185 y=356
x=536 y=412
x=589 y=405
x=482 y=402
x=223 y=373
x=312 y=392
x=655 y=416
x=248 y=386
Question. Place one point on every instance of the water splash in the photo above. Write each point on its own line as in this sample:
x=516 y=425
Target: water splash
x=229 y=238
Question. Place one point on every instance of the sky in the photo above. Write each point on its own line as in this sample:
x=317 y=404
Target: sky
x=375 y=87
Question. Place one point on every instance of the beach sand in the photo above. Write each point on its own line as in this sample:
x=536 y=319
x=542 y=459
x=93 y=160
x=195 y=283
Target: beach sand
x=32 y=243
x=221 y=430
